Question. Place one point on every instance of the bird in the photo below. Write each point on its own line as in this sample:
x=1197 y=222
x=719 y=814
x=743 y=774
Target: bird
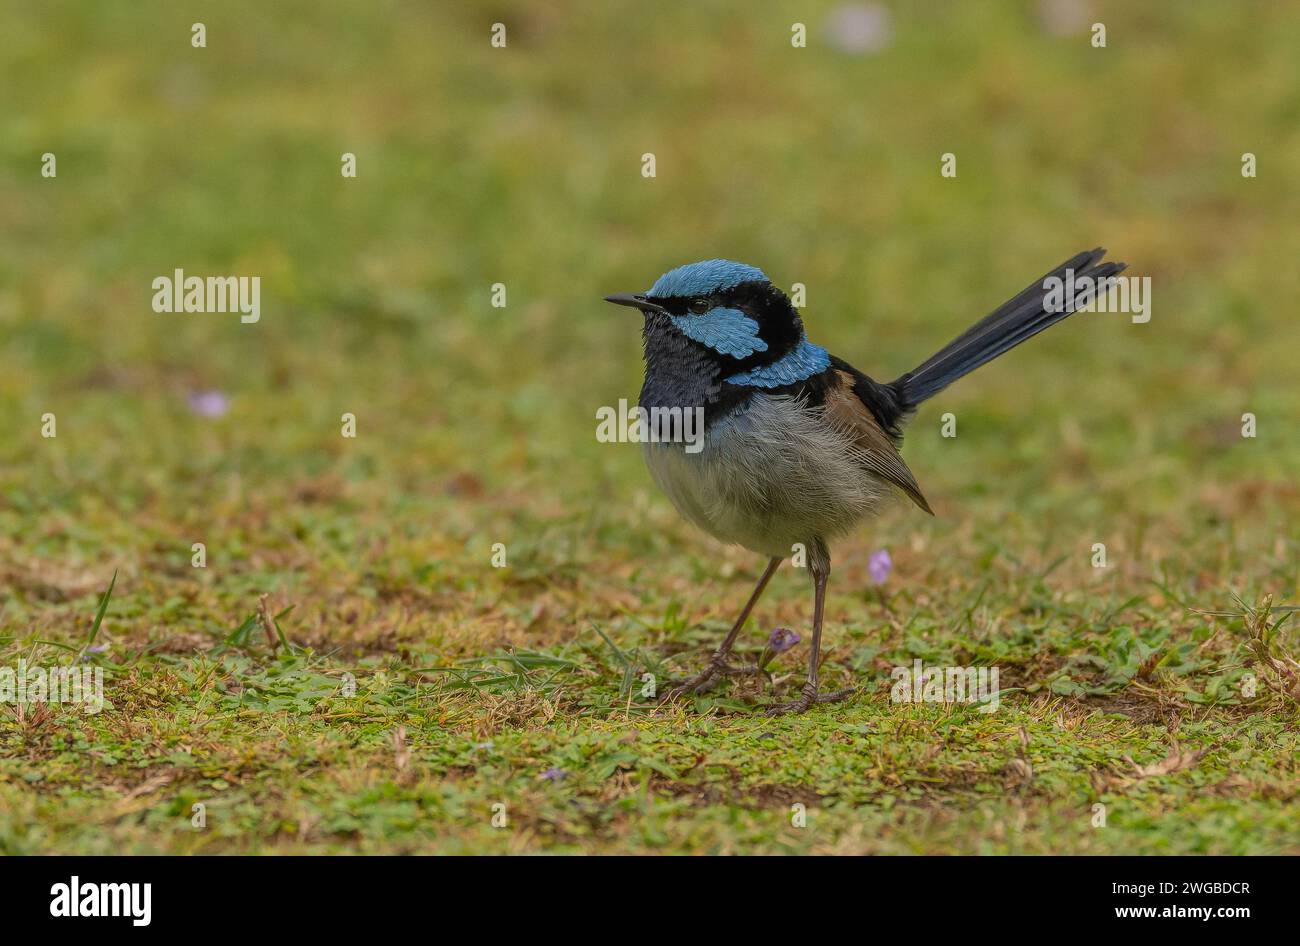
x=799 y=447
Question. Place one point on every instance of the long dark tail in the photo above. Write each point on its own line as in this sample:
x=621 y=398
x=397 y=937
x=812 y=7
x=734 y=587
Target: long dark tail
x=1010 y=324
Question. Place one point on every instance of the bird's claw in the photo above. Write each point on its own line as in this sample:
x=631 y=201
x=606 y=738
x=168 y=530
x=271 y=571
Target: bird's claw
x=708 y=678
x=809 y=697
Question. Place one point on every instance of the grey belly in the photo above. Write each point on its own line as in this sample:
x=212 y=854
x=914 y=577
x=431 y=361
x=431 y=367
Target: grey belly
x=767 y=477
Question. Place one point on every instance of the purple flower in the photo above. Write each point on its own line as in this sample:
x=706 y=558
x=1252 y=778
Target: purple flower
x=880 y=565
x=94 y=649
x=209 y=403
x=1065 y=17
x=782 y=639
x=858 y=28
x=553 y=774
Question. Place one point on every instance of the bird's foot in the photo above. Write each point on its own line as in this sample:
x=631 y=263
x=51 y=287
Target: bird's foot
x=809 y=697
x=708 y=678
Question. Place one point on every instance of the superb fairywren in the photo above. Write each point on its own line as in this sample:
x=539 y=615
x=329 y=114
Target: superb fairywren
x=799 y=445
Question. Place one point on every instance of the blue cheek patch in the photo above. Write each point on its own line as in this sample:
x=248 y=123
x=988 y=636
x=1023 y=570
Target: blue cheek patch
x=728 y=331
x=802 y=362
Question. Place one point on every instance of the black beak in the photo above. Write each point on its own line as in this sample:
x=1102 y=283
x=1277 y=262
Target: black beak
x=635 y=300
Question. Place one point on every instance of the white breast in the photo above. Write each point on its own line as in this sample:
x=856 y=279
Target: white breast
x=769 y=476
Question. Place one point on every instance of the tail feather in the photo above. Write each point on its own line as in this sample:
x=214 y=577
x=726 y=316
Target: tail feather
x=1013 y=322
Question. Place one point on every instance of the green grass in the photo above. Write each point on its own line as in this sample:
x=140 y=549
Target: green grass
x=476 y=427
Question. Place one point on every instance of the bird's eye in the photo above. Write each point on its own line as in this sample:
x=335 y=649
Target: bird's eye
x=699 y=306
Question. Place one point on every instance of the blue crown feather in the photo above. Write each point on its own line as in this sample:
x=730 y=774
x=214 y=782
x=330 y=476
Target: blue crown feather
x=803 y=361
x=700 y=279
x=728 y=331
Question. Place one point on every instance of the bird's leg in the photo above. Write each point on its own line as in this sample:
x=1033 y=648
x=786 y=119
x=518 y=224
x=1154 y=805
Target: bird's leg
x=820 y=566
x=718 y=667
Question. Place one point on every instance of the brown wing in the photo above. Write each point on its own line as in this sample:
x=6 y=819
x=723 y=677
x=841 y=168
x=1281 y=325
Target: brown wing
x=879 y=455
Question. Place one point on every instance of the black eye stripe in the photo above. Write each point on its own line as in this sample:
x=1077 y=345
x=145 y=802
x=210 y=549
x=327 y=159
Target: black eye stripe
x=679 y=305
x=686 y=305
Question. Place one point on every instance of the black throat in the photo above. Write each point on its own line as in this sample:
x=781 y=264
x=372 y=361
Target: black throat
x=680 y=372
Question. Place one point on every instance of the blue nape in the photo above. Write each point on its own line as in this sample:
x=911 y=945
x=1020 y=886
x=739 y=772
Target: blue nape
x=728 y=331
x=801 y=362
x=700 y=279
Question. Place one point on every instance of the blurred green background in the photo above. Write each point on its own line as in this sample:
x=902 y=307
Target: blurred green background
x=522 y=165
